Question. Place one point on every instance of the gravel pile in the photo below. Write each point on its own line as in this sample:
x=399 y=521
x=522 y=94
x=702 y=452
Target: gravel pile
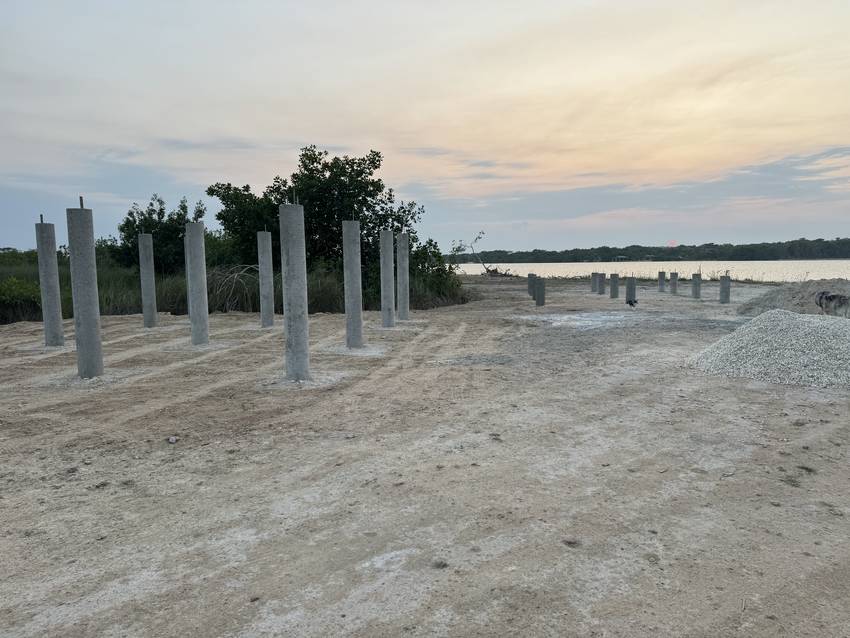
x=797 y=297
x=783 y=347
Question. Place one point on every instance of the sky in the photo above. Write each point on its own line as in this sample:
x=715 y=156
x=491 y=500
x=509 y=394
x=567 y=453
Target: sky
x=545 y=124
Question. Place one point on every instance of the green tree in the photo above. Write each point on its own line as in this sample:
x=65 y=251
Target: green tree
x=167 y=230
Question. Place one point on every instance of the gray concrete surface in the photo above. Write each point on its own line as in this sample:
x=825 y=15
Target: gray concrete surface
x=696 y=285
x=84 y=292
x=614 y=285
x=539 y=291
x=662 y=281
x=403 y=275
x=353 y=284
x=147 y=276
x=266 y=267
x=674 y=283
x=387 y=280
x=196 y=259
x=631 y=289
x=600 y=283
x=48 y=281
x=294 y=265
x=725 y=289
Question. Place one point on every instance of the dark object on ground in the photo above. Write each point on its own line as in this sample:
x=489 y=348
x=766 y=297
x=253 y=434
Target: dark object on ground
x=833 y=304
x=631 y=302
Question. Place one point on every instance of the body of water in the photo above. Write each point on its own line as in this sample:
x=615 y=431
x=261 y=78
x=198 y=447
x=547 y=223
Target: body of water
x=766 y=271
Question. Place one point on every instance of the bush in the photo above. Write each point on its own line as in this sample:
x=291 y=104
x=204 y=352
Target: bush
x=20 y=300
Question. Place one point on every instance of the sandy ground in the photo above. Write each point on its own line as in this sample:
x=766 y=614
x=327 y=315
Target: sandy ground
x=492 y=469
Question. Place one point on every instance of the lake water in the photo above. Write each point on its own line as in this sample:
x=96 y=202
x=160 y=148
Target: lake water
x=767 y=271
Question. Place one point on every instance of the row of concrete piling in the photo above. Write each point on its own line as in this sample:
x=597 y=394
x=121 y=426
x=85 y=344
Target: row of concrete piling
x=395 y=286
x=537 y=286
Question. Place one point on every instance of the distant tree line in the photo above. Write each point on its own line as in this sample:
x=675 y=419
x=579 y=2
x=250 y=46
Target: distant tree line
x=838 y=248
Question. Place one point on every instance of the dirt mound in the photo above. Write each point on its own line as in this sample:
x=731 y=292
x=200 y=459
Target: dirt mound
x=784 y=347
x=796 y=297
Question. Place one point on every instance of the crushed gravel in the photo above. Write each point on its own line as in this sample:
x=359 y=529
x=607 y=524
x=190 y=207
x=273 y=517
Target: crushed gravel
x=797 y=297
x=783 y=347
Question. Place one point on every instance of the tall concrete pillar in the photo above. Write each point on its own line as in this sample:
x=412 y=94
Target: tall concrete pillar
x=662 y=280
x=696 y=285
x=402 y=250
x=631 y=289
x=539 y=291
x=196 y=259
x=186 y=271
x=531 y=277
x=265 y=264
x=674 y=283
x=353 y=285
x=594 y=281
x=725 y=289
x=84 y=292
x=615 y=286
x=387 y=280
x=148 y=280
x=600 y=283
x=294 y=266
x=48 y=282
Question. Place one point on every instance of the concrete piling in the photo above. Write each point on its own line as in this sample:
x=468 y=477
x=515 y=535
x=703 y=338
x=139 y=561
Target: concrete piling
x=614 y=280
x=600 y=283
x=293 y=251
x=674 y=283
x=594 y=281
x=402 y=251
x=266 y=267
x=148 y=280
x=662 y=280
x=387 y=280
x=696 y=285
x=48 y=281
x=353 y=284
x=725 y=289
x=531 y=277
x=196 y=260
x=84 y=292
x=631 y=290
x=186 y=271
x=539 y=291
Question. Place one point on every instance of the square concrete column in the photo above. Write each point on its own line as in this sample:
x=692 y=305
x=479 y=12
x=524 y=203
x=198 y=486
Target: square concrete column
x=600 y=283
x=402 y=250
x=674 y=283
x=48 y=283
x=531 y=277
x=696 y=285
x=186 y=272
x=293 y=250
x=84 y=292
x=594 y=281
x=631 y=290
x=387 y=280
x=539 y=291
x=614 y=280
x=353 y=284
x=725 y=289
x=266 y=267
x=148 y=280
x=196 y=259
x=662 y=280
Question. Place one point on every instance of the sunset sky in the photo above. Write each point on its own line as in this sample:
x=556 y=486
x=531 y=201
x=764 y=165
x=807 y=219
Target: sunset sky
x=545 y=124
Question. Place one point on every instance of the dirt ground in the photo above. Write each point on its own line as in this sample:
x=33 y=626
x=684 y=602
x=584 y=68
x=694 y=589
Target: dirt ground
x=492 y=469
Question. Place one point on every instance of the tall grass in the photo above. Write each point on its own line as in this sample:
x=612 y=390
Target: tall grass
x=233 y=288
